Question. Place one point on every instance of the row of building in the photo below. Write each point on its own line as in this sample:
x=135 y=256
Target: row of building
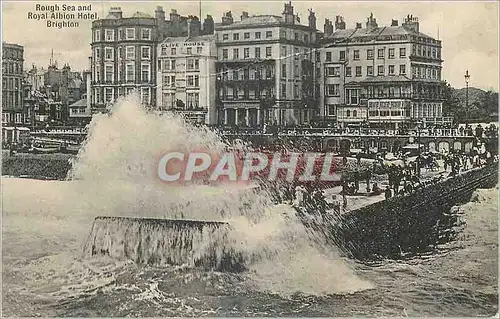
x=269 y=69
x=39 y=96
x=265 y=69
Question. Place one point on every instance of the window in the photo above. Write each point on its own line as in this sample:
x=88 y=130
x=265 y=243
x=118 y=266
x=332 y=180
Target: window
x=145 y=53
x=268 y=52
x=236 y=36
x=189 y=51
x=130 y=72
x=108 y=94
x=225 y=37
x=199 y=50
x=173 y=51
x=146 y=34
x=110 y=35
x=380 y=70
x=358 y=71
x=296 y=91
x=108 y=73
x=119 y=54
x=97 y=35
x=246 y=53
x=246 y=35
x=193 y=100
x=97 y=55
x=348 y=113
x=328 y=57
x=391 y=53
x=257 y=53
x=283 y=51
x=402 y=52
x=145 y=72
x=283 y=70
x=333 y=89
x=296 y=36
x=348 y=71
x=353 y=97
x=257 y=35
x=193 y=64
x=356 y=54
x=193 y=80
x=98 y=74
x=306 y=38
x=336 y=71
x=402 y=69
x=130 y=33
x=354 y=113
x=380 y=53
x=329 y=71
x=130 y=53
x=108 y=54
x=296 y=53
x=283 y=90
x=236 y=53
x=145 y=96
x=169 y=65
x=369 y=70
x=369 y=54
x=169 y=81
x=224 y=54
x=296 y=70
x=269 y=34
x=331 y=110
x=391 y=69
x=342 y=56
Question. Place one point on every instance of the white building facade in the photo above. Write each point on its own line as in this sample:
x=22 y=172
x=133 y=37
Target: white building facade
x=186 y=77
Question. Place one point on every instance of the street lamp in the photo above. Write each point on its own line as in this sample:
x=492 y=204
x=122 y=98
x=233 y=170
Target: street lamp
x=467 y=77
x=418 y=147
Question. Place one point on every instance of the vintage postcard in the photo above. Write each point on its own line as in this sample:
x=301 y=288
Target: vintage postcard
x=249 y=159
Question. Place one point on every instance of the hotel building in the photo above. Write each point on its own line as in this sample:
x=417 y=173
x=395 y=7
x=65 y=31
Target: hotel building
x=265 y=69
x=380 y=76
x=12 y=83
x=186 y=77
x=124 y=52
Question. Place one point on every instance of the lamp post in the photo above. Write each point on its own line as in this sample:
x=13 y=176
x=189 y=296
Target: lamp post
x=467 y=77
x=418 y=147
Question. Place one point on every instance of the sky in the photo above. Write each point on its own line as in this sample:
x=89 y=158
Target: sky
x=468 y=30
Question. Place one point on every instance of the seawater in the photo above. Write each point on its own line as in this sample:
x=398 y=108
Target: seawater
x=46 y=225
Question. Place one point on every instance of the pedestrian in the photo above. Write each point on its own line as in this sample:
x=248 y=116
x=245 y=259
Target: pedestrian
x=388 y=192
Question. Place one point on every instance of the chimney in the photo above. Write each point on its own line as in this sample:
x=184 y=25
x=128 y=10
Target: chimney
x=159 y=14
x=328 y=28
x=371 y=22
x=116 y=12
x=193 y=26
x=288 y=13
x=358 y=25
x=174 y=16
x=208 y=25
x=312 y=19
x=244 y=15
x=411 y=23
x=394 y=23
x=160 y=17
x=227 y=18
x=339 y=23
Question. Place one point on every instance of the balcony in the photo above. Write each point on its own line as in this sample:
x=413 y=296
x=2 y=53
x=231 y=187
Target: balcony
x=386 y=96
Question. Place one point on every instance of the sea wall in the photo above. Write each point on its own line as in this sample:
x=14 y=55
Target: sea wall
x=410 y=224
x=38 y=166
